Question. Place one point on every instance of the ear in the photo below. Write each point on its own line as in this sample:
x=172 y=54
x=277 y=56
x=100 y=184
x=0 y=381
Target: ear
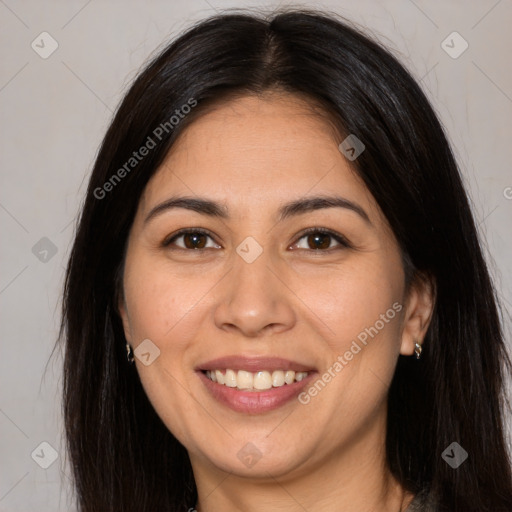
x=419 y=306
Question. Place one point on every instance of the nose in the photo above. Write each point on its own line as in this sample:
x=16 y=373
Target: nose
x=254 y=301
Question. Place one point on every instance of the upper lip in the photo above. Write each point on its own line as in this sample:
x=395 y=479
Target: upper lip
x=252 y=364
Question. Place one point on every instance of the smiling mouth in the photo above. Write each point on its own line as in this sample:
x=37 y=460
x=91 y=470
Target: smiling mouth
x=254 y=384
x=254 y=381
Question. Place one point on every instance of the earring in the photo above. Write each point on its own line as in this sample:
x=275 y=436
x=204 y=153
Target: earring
x=129 y=354
x=417 y=350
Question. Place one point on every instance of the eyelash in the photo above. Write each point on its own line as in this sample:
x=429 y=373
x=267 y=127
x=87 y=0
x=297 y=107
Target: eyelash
x=344 y=243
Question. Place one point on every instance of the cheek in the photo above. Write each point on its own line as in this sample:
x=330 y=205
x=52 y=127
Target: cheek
x=164 y=307
x=160 y=301
x=354 y=300
x=359 y=313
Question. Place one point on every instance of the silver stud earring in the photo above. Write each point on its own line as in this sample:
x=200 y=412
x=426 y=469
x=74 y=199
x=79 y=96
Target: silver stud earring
x=129 y=354
x=417 y=350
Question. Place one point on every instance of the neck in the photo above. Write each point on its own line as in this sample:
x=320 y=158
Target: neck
x=354 y=478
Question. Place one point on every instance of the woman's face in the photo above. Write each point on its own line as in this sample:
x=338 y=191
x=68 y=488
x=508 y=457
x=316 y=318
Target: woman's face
x=256 y=300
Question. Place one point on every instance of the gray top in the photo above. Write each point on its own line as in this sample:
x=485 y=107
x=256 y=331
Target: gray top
x=421 y=503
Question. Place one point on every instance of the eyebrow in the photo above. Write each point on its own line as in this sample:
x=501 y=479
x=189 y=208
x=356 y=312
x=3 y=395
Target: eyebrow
x=293 y=208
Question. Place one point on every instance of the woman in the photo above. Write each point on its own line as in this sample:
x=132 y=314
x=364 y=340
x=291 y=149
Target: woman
x=276 y=298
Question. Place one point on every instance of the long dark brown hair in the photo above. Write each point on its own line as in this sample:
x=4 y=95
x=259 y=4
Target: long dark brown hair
x=123 y=457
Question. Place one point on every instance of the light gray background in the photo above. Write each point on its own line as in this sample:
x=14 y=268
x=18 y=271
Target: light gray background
x=54 y=113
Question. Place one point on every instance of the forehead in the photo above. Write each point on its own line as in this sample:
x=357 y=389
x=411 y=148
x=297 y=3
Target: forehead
x=258 y=151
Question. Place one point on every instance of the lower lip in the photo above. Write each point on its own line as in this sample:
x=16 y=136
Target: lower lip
x=254 y=401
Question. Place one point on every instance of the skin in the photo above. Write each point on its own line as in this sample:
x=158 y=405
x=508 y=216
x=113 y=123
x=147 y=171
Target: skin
x=254 y=154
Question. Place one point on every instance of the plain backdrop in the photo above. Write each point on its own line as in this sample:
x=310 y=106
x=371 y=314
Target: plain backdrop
x=55 y=110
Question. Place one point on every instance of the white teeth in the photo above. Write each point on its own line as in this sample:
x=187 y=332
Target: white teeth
x=258 y=381
x=277 y=378
x=220 y=376
x=289 y=376
x=262 y=380
x=230 y=379
x=244 y=380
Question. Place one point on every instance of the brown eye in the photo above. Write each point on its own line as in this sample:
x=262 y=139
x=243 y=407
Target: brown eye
x=194 y=240
x=191 y=240
x=320 y=239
